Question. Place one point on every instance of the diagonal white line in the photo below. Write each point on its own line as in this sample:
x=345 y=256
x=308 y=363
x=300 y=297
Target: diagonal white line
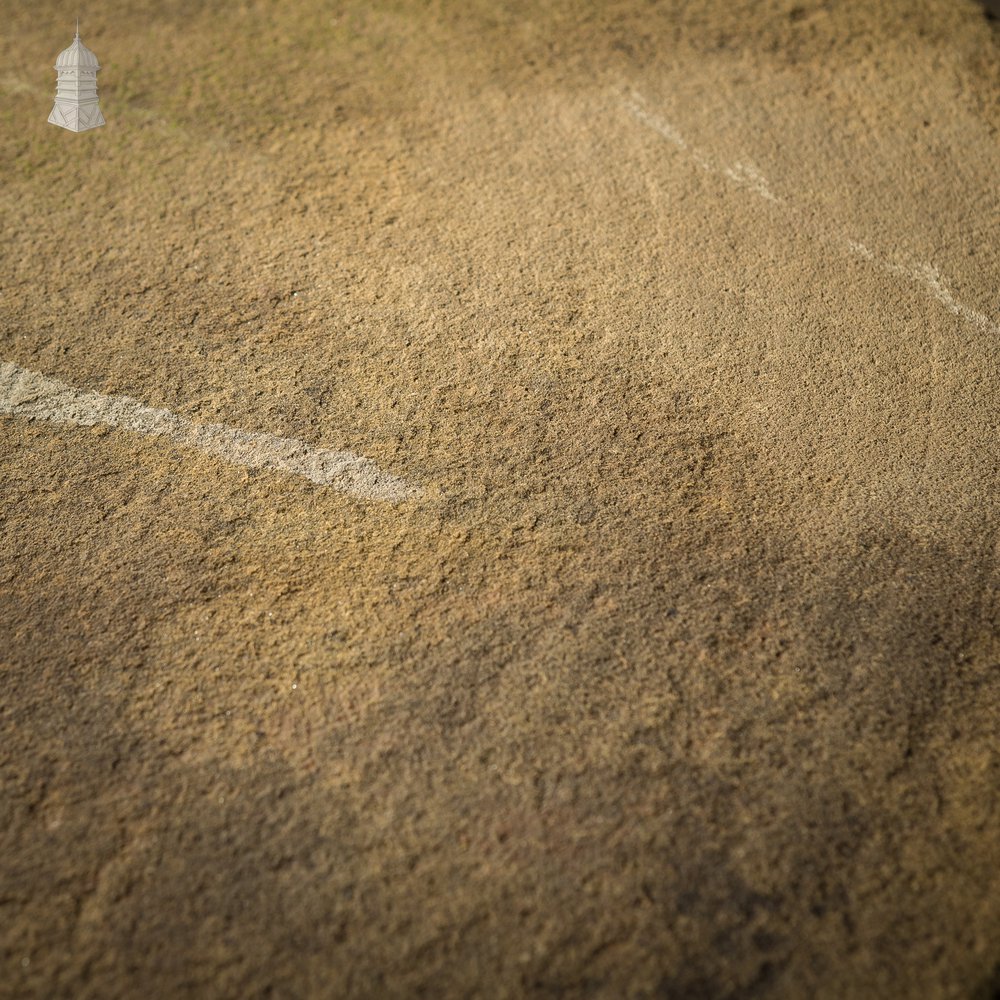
x=28 y=394
x=924 y=275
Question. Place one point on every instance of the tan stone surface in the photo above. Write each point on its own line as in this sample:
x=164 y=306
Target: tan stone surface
x=682 y=678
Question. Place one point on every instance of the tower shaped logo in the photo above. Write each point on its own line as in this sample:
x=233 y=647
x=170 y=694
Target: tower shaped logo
x=76 y=105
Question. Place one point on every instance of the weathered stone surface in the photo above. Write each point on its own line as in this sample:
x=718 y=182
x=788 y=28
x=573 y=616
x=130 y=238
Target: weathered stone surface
x=680 y=676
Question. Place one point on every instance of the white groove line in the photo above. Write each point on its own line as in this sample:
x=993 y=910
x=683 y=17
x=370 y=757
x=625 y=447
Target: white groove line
x=747 y=176
x=25 y=393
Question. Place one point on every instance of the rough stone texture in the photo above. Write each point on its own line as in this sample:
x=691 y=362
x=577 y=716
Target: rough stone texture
x=682 y=677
